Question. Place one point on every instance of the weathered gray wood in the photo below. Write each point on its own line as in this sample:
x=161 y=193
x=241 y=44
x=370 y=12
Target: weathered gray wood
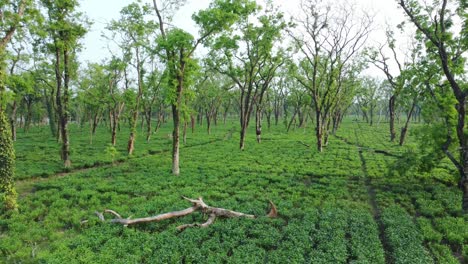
x=198 y=205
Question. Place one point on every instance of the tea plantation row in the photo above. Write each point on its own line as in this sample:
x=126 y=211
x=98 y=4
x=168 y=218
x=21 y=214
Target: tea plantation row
x=346 y=205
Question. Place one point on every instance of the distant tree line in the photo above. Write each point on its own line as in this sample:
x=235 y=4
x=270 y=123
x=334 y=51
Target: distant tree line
x=258 y=68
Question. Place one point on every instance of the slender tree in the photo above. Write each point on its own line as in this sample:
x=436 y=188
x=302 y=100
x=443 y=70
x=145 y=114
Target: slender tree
x=331 y=37
x=396 y=80
x=435 y=24
x=65 y=27
x=251 y=61
x=11 y=16
x=176 y=47
x=133 y=33
x=114 y=71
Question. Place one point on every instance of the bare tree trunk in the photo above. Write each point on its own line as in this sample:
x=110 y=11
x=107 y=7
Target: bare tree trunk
x=336 y=121
x=114 y=133
x=160 y=120
x=133 y=125
x=244 y=117
x=95 y=122
x=291 y=121
x=115 y=124
x=214 y=116
x=28 y=118
x=62 y=105
x=463 y=143
x=131 y=139
x=50 y=113
x=110 y=119
x=200 y=117
x=327 y=132
x=197 y=205
x=192 y=123
x=391 y=108
x=175 y=140
x=91 y=132
x=208 y=122
x=258 y=126
x=148 y=125
x=318 y=131
x=276 y=111
x=405 y=128
x=13 y=120
x=242 y=137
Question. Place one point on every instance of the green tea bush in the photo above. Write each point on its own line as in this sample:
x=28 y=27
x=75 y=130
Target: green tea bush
x=403 y=237
x=455 y=230
x=442 y=254
x=324 y=201
x=428 y=231
x=329 y=237
x=364 y=245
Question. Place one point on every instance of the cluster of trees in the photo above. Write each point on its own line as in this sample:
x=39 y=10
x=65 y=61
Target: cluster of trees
x=249 y=71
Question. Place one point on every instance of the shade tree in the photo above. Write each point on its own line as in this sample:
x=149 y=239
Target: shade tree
x=63 y=28
x=12 y=16
x=446 y=45
x=176 y=48
x=133 y=33
x=251 y=59
x=328 y=39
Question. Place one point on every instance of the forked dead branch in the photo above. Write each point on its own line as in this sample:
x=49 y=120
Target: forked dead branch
x=197 y=205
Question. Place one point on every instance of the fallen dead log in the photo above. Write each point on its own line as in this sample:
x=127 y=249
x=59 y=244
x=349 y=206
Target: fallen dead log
x=197 y=205
x=300 y=142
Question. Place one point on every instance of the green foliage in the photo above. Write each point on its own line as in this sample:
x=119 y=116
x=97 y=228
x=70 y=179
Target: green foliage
x=428 y=231
x=324 y=208
x=365 y=246
x=65 y=24
x=8 y=193
x=222 y=14
x=442 y=254
x=454 y=230
x=111 y=152
x=403 y=237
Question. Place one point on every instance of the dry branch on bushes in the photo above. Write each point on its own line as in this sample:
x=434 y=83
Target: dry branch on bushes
x=197 y=205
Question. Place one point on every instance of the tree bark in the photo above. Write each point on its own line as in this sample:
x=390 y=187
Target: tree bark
x=148 y=124
x=292 y=120
x=50 y=114
x=258 y=124
x=175 y=140
x=160 y=120
x=192 y=123
x=462 y=140
x=197 y=205
x=95 y=122
x=176 y=117
x=185 y=132
x=319 y=131
x=115 y=122
x=62 y=103
x=131 y=140
x=208 y=122
x=242 y=137
x=408 y=119
x=391 y=109
x=13 y=120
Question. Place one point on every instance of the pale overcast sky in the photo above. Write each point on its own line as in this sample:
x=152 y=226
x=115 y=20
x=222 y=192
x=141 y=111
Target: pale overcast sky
x=102 y=11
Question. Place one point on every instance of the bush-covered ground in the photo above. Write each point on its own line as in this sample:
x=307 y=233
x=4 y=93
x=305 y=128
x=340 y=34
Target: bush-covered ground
x=345 y=205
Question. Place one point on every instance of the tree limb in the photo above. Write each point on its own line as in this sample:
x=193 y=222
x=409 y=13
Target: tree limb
x=197 y=205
